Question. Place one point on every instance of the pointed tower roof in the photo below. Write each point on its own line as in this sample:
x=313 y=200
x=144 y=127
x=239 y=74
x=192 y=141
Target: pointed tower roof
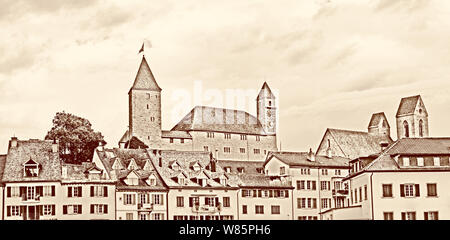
x=376 y=118
x=408 y=105
x=265 y=92
x=144 y=78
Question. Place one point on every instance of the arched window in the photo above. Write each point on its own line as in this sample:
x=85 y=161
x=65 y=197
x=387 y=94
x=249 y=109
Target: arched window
x=406 y=127
x=421 y=128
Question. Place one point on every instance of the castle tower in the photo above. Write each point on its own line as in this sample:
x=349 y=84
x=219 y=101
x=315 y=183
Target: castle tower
x=145 y=107
x=266 y=110
x=379 y=125
x=412 y=118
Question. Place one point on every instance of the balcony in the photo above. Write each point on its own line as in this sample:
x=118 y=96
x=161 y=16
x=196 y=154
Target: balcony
x=205 y=209
x=145 y=206
x=30 y=199
x=339 y=193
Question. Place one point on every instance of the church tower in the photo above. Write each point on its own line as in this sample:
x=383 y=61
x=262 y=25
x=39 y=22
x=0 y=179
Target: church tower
x=145 y=107
x=412 y=118
x=379 y=125
x=266 y=110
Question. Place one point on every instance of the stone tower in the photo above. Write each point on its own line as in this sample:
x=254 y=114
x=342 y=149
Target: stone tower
x=266 y=110
x=145 y=107
x=379 y=125
x=412 y=118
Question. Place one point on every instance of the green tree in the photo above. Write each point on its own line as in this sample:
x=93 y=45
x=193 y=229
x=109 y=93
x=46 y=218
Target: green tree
x=77 y=139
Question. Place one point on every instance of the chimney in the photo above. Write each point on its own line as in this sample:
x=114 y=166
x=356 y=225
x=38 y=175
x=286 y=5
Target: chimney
x=384 y=145
x=329 y=153
x=55 y=146
x=121 y=145
x=100 y=146
x=213 y=164
x=14 y=142
x=311 y=156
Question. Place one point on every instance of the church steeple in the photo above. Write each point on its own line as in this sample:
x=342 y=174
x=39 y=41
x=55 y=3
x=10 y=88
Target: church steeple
x=144 y=78
x=266 y=109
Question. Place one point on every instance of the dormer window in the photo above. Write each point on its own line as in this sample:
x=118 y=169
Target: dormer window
x=181 y=180
x=227 y=169
x=30 y=169
x=282 y=170
x=132 y=179
x=240 y=170
x=132 y=165
x=223 y=181
x=196 y=166
x=151 y=181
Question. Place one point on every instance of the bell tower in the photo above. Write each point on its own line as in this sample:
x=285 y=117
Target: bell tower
x=266 y=110
x=412 y=118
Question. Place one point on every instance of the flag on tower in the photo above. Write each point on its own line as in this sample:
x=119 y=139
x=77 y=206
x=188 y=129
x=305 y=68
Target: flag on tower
x=142 y=49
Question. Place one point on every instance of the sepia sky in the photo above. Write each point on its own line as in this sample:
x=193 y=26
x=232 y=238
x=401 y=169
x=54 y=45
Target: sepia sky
x=333 y=63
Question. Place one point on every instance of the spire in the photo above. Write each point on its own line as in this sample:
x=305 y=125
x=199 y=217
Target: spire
x=265 y=92
x=144 y=78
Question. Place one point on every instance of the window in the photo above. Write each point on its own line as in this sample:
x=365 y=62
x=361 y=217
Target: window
x=301 y=203
x=387 y=190
x=256 y=151
x=409 y=190
x=243 y=137
x=420 y=127
x=210 y=135
x=282 y=170
x=246 y=193
x=182 y=140
x=437 y=161
x=324 y=185
x=99 y=191
x=431 y=190
x=72 y=209
x=74 y=191
x=244 y=209
x=365 y=192
x=259 y=209
x=158 y=216
x=13 y=211
x=152 y=119
x=300 y=185
x=242 y=150
x=227 y=150
x=129 y=216
x=258 y=138
x=144 y=198
x=305 y=171
x=408 y=215
x=227 y=135
x=171 y=140
x=226 y=201
x=406 y=128
x=405 y=161
x=99 y=209
x=194 y=201
x=388 y=215
x=324 y=171
x=180 y=201
x=324 y=203
x=275 y=209
x=129 y=199
x=434 y=215
x=31 y=169
x=205 y=148
x=420 y=161
x=158 y=199
x=337 y=172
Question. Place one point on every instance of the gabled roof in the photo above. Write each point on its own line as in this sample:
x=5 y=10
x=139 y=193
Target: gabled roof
x=408 y=105
x=355 y=144
x=377 y=118
x=38 y=150
x=202 y=118
x=144 y=78
x=300 y=159
x=265 y=92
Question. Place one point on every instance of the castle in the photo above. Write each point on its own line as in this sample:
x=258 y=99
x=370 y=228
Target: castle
x=227 y=133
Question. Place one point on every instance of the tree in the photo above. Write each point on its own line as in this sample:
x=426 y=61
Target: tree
x=77 y=139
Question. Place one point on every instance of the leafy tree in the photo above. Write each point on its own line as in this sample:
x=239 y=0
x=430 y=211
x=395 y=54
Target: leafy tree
x=77 y=139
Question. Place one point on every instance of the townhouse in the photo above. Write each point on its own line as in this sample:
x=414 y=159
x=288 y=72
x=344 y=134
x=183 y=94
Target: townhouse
x=407 y=181
x=140 y=192
x=317 y=180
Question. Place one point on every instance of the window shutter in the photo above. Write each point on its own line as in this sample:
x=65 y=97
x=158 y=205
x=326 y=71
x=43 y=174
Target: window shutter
x=8 y=192
x=64 y=209
x=41 y=208
x=133 y=199
x=8 y=211
x=69 y=192
x=92 y=208
x=270 y=193
x=92 y=191
x=53 y=191
x=53 y=209
x=402 y=190
x=105 y=191
x=286 y=194
x=417 y=190
x=80 y=191
x=313 y=185
x=190 y=202
x=80 y=209
x=217 y=201
x=425 y=216
x=105 y=209
x=162 y=199
x=314 y=203
x=403 y=216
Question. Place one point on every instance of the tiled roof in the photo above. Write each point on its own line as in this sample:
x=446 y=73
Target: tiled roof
x=301 y=159
x=140 y=156
x=250 y=167
x=79 y=173
x=355 y=144
x=2 y=165
x=176 y=134
x=376 y=118
x=144 y=78
x=265 y=92
x=260 y=180
x=407 y=105
x=39 y=151
x=185 y=159
x=203 y=118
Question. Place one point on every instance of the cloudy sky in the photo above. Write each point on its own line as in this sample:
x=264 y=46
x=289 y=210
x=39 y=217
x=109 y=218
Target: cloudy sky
x=333 y=62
